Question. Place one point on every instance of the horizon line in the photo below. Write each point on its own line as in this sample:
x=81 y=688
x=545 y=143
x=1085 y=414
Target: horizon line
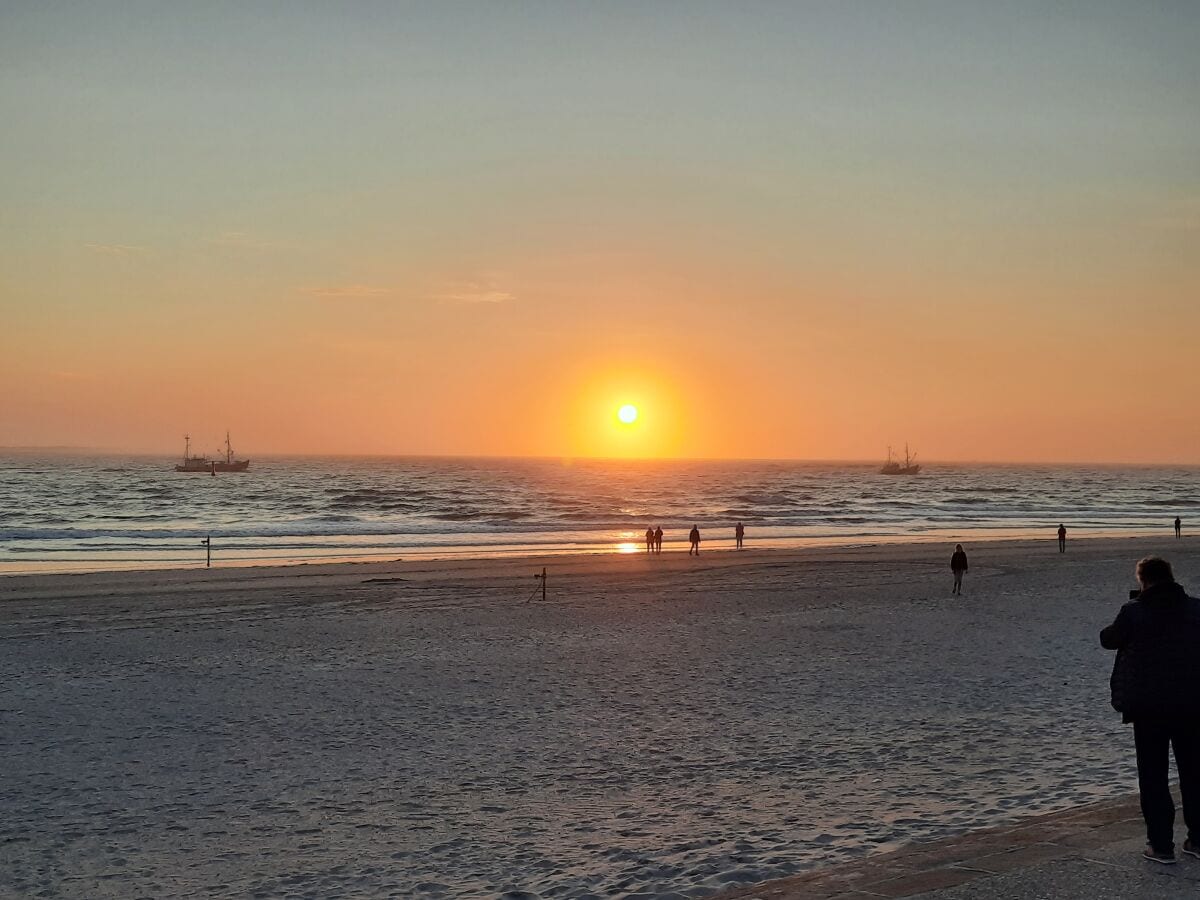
x=71 y=449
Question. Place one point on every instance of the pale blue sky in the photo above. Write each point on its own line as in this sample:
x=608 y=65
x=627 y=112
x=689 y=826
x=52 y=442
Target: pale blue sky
x=162 y=116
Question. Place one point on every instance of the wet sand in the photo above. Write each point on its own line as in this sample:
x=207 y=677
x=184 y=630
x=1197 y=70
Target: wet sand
x=659 y=726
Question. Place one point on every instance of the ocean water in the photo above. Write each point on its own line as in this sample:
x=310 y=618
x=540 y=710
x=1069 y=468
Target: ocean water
x=69 y=512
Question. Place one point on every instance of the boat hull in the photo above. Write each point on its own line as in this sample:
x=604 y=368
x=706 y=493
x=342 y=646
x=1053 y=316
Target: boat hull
x=238 y=465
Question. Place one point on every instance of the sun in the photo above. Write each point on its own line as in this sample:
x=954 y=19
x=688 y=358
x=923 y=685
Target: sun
x=628 y=413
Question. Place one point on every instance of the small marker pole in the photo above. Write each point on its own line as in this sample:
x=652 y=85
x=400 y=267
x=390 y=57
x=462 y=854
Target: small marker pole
x=207 y=542
x=543 y=578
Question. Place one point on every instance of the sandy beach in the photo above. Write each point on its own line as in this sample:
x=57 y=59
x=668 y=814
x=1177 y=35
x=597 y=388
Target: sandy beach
x=659 y=726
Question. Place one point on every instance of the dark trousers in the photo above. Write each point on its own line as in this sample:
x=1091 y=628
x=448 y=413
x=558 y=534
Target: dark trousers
x=1154 y=738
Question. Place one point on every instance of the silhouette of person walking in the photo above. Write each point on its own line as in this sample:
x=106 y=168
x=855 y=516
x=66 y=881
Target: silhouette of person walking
x=658 y=539
x=1178 y=527
x=1062 y=538
x=958 y=565
x=649 y=540
x=739 y=532
x=694 y=537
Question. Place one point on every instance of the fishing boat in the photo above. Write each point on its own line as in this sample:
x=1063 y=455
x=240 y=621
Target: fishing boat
x=204 y=466
x=893 y=467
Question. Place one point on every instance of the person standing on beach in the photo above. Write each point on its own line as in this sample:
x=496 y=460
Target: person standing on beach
x=739 y=532
x=694 y=537
x=650 y=539
x=1178 y=527
x=1062 y=538
x=958 y=565
x=658 y=539
x=1154 y=685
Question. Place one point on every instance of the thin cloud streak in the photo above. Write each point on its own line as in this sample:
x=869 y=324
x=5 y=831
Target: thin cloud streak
x=242 y=240
x=482 y=297
x=476 y=292
x=114 y=249
x=347 y=291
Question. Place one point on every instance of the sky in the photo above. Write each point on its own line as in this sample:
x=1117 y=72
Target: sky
x=781 y=230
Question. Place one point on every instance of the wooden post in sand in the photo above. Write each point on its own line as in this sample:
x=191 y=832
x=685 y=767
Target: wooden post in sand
x=207 y=542
x=543 y=577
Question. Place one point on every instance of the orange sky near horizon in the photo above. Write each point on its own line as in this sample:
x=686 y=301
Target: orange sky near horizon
x=794 y=234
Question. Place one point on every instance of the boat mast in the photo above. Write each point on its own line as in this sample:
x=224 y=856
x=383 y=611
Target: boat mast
x=187 y=446
x=228 y=449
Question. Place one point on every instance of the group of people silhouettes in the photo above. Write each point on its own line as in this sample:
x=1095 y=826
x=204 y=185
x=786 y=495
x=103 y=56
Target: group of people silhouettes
x=958 y=561
x=654 y=538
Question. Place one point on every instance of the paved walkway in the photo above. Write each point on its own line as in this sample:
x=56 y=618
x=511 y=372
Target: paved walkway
x=1089 y=853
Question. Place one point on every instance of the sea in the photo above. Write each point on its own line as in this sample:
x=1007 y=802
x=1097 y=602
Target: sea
x=78 y=512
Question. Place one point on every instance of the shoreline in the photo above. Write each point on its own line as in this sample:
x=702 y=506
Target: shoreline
x=525 y=553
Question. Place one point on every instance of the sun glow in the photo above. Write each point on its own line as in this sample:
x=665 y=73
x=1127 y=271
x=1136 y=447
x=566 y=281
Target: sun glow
x=617 y=412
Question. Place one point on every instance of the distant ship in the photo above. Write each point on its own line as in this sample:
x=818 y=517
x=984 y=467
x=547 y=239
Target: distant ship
x=893 y=467
x=204 y=466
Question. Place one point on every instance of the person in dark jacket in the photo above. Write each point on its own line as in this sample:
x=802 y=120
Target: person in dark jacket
x=694 y=539
x=1156 y=686
x=658 y=539
x=1062 y=538
x=958 y=565
x=1178 y=527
